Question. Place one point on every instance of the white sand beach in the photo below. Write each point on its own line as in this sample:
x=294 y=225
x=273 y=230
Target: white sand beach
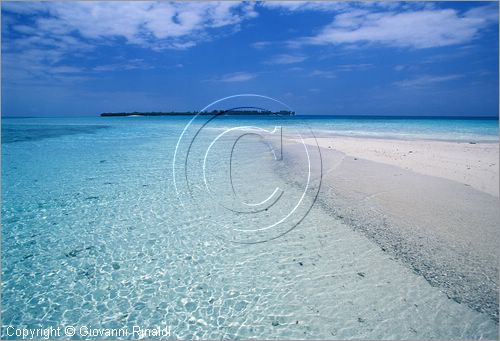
x=432 y=204
x=474 y=165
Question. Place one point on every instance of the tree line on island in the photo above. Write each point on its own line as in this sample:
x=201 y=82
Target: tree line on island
x=193 y=113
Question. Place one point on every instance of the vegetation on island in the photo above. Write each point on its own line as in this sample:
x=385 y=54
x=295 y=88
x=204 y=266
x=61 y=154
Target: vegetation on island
x=193 y=113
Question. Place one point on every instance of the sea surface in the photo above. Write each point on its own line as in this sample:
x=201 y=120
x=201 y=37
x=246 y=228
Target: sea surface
x=112 y=223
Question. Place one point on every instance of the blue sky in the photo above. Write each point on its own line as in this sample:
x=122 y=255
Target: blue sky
x=376 y=58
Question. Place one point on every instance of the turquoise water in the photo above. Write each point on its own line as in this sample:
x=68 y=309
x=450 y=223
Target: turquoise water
x=485 y=130
x=96 y=233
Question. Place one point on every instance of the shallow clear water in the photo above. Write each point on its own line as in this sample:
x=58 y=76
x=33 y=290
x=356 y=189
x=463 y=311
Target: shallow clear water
x=96 y=233
x=485 y=130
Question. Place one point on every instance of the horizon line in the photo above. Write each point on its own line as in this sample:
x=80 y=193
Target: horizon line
x=296 y=114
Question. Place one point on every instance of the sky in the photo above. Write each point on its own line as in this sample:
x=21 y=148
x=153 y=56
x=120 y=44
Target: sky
x=337 y=58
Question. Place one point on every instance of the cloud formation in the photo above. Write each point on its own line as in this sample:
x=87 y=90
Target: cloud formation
x=293 y=6
x=44 y=43
x=153 y=24
x=237 y=77
x=132 y=64
x=323 y=74
x=37 y=48
x=426 y=80
x=422 y=28
x=286 y=59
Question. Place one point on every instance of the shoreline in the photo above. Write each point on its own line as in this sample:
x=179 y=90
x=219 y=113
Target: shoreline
x=441 y=229
x=330 y=134
x=471 y=164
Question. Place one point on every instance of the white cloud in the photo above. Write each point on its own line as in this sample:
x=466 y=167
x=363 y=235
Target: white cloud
x=237 y=77
x=336 y=6
x=411 y=28
x=25 y=7
x=132 y=64
x=323 y=74
x=56 y=30
x=426 y=80
x=354 y=67
x=261 y=44
x=286 y=59
x=293 y=6
x=37 y=65
x=175 y=24
x=39 y=47
x=66 y=69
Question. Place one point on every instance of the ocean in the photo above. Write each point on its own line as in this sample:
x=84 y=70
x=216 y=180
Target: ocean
x=112 y=223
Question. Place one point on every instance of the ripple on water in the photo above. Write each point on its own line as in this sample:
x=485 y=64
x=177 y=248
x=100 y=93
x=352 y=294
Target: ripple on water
x=119 y=250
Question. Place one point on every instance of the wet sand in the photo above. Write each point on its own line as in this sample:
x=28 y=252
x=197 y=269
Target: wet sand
x=436 y=209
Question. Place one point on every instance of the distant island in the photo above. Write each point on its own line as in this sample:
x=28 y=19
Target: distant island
x=193 y=113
